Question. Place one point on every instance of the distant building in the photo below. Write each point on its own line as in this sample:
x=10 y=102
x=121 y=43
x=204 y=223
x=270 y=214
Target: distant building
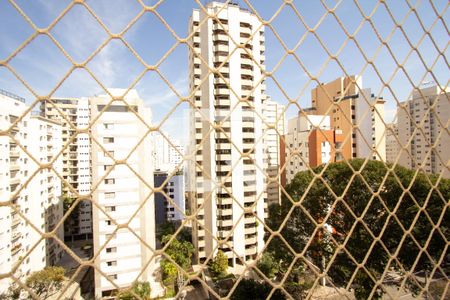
x=423 y=124
x=123 y=192
x=310 y=142
x=167 y=156
x=392 y=145
x=274 y=123
x=221 y=177
x=174 y=189
x=357 y=113
x=31 y=194
x=74 y=114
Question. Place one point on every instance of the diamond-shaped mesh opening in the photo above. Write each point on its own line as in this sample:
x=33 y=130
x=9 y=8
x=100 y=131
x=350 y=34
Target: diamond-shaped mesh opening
x=225 y=149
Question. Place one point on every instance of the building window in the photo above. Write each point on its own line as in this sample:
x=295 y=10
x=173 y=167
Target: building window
x=111 y=250
x=108 y=125
x=110 y=208
x=109 y=195
x=112 y=276
x=112 y=263
x=110 y=181
x=108 y=140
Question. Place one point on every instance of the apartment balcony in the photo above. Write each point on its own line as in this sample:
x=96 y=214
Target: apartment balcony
x=16 y=249
x=262 y=57
x=14 y=153
x=223 y=234
x=262 y=47
x=248 y=135
x=224 y=223
x=219 y=80
x=226 y=169
x=250 y=188
x=224 y=212
x=219 y=47
x=196 y=39
x=201 y=243
x=223 y=146
x=251 y=250
x=246 y=72
x=223 y=69
x=249 y=220
x=14 y=181
x=221 y=36
x=251 y=230
x=223 y=156
x=221 y=26
x=246 y=30
x=251 y=240
x=246 y=82
x=225 y=201
x=246 y=93
x=14 y=167
x=15 y=236
x=223 y=102
x=222 y=91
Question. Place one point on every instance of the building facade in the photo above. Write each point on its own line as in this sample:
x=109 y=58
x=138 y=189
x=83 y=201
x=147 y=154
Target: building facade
x=123 y=173
x=32 y=194
x=167 y=156
x=74 y=114
x=274 y=125
x=309 y=142
x=227 y=188
x=423 y=130
x=174 y=188
x=392 y=145
x=355 y=111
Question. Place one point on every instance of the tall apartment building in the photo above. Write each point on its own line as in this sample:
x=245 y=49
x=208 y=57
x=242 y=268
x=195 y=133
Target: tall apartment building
x=122 y=192
x=309 y=142
x=166 y=156
x=349 y=105
x=274 y=123
x=421 y=128
x=73 y=114
x=32 y=194
x=222 y=176
x=392 y=145
x=165 y=210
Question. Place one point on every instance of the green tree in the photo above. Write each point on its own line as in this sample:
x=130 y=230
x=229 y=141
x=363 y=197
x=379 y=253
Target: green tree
x=412 y=197
x=169 y=272
x=252 y=289
x=268 y=265
x=46 y=281
x=219 y=265
x=180 y=251
x=141 y=289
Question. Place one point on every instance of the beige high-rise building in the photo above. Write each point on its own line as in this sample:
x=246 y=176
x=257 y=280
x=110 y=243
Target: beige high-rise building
x=227 y=189
x=420 y=129
x=310 y=142
x=73 y=114
x=355 y=111
x=274 y=123
x=122 y=172
x=30 y=195
x=392 y=144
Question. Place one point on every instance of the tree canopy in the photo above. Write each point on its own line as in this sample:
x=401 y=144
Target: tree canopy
x=353 y=207
x=219 y=265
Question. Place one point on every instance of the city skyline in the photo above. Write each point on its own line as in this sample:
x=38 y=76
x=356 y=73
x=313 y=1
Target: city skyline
x=42 y=56
x=237 y=149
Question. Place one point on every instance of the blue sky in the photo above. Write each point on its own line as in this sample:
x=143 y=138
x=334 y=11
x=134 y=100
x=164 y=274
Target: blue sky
x=42 y=65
